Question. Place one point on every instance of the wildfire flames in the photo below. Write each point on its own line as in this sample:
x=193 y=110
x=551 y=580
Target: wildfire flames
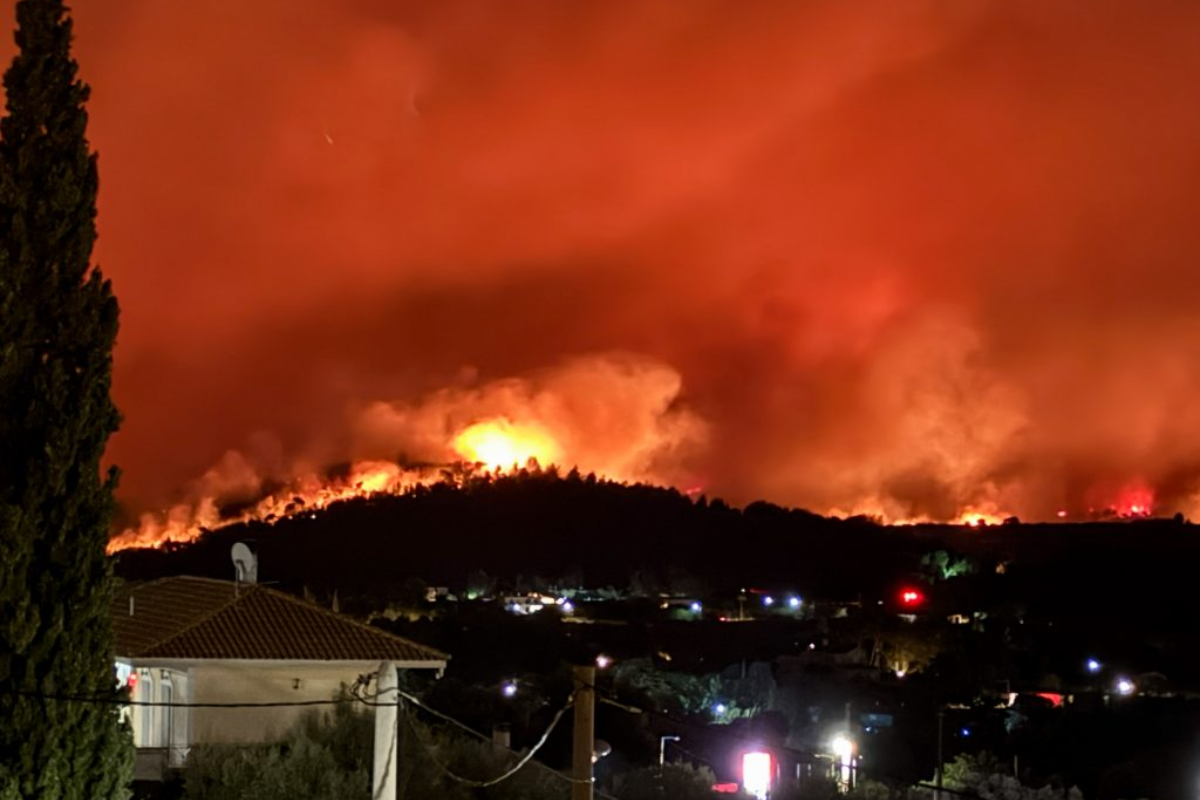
x=497 y=445
x=927 y=263
x=501 y=444
x=615 y=415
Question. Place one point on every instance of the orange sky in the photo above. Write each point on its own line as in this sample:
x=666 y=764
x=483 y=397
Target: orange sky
x=910 y=255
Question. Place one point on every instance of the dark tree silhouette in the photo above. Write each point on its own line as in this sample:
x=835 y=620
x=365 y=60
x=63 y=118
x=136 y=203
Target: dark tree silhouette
x=58 y=324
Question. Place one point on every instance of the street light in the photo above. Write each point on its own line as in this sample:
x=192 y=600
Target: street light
x=662 y=748
x=843 y=750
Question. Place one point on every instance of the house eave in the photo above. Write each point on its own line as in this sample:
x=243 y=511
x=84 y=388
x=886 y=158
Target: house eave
x=136 y=661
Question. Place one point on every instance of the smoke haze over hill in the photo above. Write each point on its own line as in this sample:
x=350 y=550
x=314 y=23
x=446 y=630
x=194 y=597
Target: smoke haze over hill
x=911 y=257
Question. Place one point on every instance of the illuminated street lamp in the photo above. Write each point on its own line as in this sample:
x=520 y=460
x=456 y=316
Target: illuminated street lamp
x=1093 y=666
x=1125 y=687
x=843 y=751
x=662 y=748
x=509 y=688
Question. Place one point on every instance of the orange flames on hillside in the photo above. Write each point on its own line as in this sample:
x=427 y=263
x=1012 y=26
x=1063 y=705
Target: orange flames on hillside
x=620 y=417
x=188 y=521
x=498 y=446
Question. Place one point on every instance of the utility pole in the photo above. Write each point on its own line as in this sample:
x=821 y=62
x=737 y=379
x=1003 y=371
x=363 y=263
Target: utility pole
x=941 y=715
x=385 y=763
x=585 y=732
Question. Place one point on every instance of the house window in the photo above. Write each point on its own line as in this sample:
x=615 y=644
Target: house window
x=146 y=715
x=167 y=715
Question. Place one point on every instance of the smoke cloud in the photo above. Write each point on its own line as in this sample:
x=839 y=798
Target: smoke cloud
x=908 y=257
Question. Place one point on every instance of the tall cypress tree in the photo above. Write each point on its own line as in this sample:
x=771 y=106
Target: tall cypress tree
x=58 y=324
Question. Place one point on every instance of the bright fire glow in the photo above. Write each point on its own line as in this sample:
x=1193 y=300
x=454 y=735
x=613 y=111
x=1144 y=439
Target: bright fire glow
x=501 y=444
x=1136 y=501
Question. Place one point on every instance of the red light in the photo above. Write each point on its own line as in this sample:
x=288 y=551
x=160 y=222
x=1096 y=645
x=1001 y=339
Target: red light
x=911 y=597
x=131 y=681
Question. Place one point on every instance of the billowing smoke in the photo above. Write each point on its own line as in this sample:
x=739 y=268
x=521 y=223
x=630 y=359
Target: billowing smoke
x=618 y=416
x=917 y=258
x=615 y=415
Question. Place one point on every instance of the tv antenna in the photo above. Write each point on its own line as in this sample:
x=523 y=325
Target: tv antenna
x=245 y=563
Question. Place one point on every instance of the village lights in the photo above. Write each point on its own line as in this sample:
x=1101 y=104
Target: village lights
x=768 y=601
x=568 y=606
x=1125 y=687
x=1093 y=666
x=696 y=608
x=794 y=602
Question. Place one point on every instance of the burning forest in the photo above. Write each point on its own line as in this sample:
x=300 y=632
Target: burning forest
x=928 y=263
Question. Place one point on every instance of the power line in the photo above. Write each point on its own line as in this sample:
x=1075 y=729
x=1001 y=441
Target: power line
x=119 y=701
x=483 y=737
x=507 y=774
x=610 y=699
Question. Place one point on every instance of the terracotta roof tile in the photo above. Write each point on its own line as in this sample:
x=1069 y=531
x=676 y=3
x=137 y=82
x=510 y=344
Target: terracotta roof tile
x=188 y=617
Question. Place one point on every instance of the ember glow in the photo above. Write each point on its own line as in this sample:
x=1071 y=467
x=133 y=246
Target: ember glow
x=916 y=259
x=501 y=444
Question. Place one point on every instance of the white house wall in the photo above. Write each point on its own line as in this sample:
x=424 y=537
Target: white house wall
x=250 y=683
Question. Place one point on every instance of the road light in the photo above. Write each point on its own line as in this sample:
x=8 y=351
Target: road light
x=509 y=688
x=662 y=748
x=1093 y=666
x=1126 y=687
x=843 y=751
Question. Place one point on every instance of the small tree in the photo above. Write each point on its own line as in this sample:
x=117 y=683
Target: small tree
x=325 y=757
x=676 y=781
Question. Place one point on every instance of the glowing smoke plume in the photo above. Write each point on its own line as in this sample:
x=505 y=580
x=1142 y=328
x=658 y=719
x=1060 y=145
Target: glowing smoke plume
x=908 y=257
x=616 y=415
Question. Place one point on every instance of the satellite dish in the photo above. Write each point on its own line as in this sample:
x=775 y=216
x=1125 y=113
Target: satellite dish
x=245 y=565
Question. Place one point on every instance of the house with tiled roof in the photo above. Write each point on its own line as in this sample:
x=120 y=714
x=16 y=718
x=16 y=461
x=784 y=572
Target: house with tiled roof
x=198 y=647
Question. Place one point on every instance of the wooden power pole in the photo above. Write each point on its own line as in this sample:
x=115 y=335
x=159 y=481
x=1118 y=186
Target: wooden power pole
x=585 y=732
